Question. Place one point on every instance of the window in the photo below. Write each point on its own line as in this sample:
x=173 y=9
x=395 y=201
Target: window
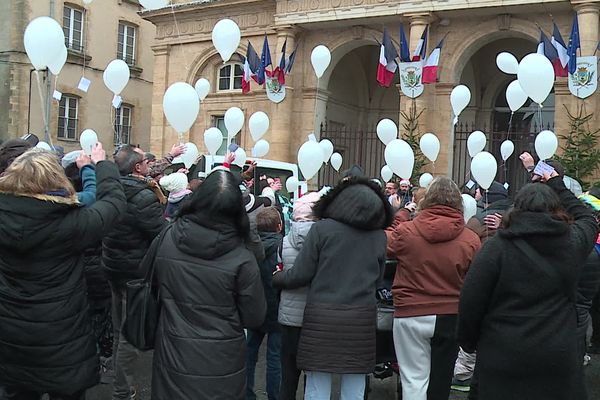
x=230 y=77
x=123 y=118
x=126 y=43
x=73 y=28
x=220 y=123
x=67 y=118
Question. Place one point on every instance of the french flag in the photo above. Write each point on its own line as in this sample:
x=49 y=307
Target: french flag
x=561 y=64
x=279 y=71
x=431 y=66
x=387 y=61
x=251 y=63
x=421 y=50
x=290 y=61
x=546 y=48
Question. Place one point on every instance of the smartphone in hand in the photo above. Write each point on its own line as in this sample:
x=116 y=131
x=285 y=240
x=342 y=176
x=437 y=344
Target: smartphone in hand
x=233 y=147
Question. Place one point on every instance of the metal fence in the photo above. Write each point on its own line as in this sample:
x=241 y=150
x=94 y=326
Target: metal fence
x=360 y=147
x=522 y=134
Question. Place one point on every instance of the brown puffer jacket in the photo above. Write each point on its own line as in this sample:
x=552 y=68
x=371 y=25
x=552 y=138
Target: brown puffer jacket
x=434 y=252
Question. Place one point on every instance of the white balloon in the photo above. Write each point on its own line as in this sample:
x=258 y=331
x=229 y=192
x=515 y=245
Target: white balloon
x=546 y=144
x=336 y=161
x=234 y=120
x=291 y=184
x=88 y=140
x=226 y=37
x=240 y=157
x=469 y=207
x=327 y=148
x=116 y=76
x=181 y=106
x=261 y=148
x=43 y=146
x=387 y=130
x=386 y=173
x=213 y=139
x=515 y=96
x=87 y=2
x=154 y=4
x=536 y=76
x=202 y=88
x=400 y=157
x=506 y=149
x=476 y=142
x=44 y=39
x=507 y=63
x=430 y=146
x=484 y=168
x=258 y=125
x=320 y=59
x=59 y=62
x=460 y=99
x=310 y=158
x=190 y=155
x=425 y=179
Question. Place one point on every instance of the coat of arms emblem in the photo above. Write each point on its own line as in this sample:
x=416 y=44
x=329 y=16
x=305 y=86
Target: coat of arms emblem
x=275 y=90
x=584 y=81
x=411 y=74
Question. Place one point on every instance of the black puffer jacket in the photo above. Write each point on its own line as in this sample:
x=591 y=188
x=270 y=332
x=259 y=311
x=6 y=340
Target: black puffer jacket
x=46 y=339
x=210 y=291
x=342 y=259
x=125 y=245
x=272 y=242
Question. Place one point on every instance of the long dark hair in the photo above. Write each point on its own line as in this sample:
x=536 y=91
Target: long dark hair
x=537 y=198
x=219 y=200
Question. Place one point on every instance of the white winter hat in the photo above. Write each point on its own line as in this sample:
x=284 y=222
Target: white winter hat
x=175 y=182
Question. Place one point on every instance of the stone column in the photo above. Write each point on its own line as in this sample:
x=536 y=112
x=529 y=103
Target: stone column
x=281 y=128
x=162 y=137
x=587 y=15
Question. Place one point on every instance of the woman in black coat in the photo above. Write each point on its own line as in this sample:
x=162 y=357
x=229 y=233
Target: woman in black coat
x=341 y=260
x=46 y=340
x=517 y=306
x=210 y=290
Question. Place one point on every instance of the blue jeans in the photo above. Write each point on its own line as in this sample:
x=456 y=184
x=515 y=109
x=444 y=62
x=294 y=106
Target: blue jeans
x=254 y=340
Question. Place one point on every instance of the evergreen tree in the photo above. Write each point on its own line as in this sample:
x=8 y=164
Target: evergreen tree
x=410 y=135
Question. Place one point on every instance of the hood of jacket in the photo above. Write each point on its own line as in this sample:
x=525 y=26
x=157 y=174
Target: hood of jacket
x=534 y=224
x=27 y=223
x=357 y=202
x=298 y=233
x=271 y=242
x=200 y=237
x=439 y=223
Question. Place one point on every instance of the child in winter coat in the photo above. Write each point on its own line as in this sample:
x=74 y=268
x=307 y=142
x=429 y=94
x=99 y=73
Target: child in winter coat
x=269 y=225
x=177 y=186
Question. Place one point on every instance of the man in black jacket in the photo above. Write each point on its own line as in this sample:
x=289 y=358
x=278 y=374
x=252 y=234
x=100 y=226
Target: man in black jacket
x=123 y=250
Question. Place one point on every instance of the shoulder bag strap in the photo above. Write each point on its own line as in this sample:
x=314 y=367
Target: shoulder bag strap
x=147 y=263
x=547 y=268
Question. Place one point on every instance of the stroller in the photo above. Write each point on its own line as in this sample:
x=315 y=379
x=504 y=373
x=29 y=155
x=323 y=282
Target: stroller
x=385 y=353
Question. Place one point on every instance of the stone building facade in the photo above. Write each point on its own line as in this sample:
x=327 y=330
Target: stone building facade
x=347 y=98
x=95 y=35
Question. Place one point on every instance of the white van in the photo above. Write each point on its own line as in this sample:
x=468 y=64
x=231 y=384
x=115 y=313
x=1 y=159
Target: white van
x=275 y=169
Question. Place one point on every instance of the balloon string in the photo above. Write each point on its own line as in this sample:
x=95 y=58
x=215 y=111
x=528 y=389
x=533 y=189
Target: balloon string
x=509 y=125
x=316 y=101
x=85 y=21
x=486 y=202
x=183 y=52
x=39 y=85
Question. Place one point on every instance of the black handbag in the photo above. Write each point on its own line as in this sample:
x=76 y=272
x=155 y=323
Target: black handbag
x=143 y=302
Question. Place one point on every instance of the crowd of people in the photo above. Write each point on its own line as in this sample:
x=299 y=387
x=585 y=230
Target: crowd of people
x=498 y=305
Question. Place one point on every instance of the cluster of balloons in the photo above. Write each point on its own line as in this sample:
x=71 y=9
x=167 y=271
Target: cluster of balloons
x=312 y=155
x=44 y=42
x=399 y=156
x=535 y=78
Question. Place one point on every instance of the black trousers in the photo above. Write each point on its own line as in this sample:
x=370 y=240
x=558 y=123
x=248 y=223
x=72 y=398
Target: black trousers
x=290 y=374
x=16 y=393
x=444 y=350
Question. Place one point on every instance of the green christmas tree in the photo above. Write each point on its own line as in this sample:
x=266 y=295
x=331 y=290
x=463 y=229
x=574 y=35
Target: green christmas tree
x=410 y=128
x=580 y=155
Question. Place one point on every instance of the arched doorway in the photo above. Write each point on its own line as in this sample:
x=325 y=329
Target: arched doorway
x=355 y=104
x=489 y=112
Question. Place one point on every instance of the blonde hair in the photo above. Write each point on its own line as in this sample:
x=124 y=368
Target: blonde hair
x=35 y=173
x=442 y=191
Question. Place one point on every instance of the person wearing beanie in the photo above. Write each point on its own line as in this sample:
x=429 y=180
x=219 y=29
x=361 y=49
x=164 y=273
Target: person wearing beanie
x=177 y=186
x=293 y=301
x=403 y=196
x=10 y=150
x=494 y=203
x=354 y=171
